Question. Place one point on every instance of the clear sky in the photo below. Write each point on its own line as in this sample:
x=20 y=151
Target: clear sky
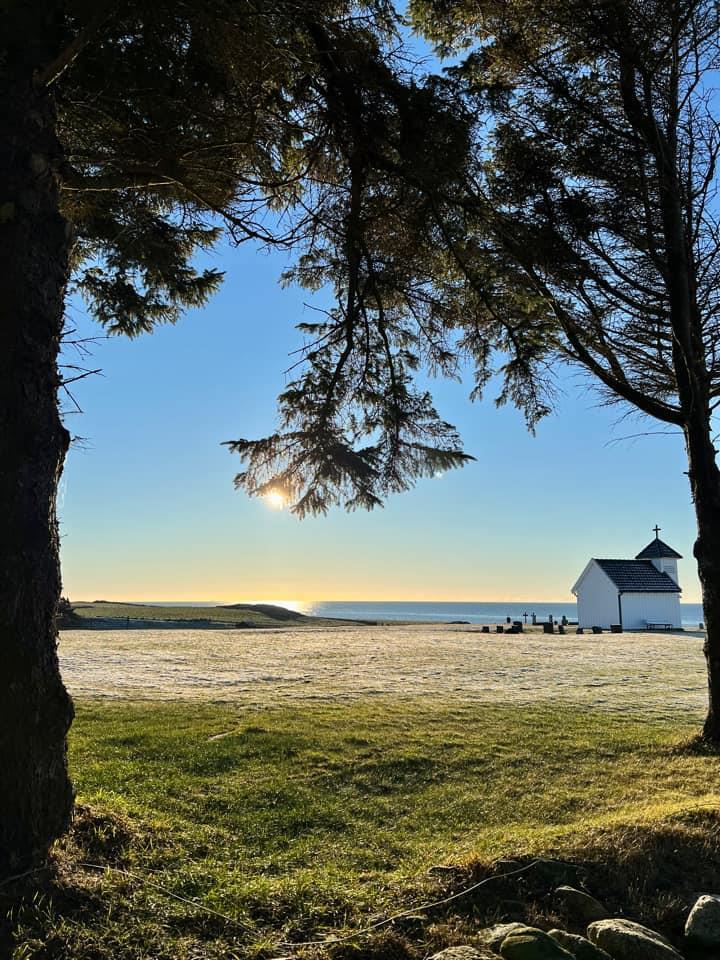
x=148 y=509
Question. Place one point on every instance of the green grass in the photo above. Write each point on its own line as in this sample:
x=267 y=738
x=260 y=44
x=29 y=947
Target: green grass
x=260 y=615
x=302 y=819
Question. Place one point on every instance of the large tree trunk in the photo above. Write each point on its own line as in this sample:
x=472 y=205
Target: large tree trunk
x=693 y=385
x=35 y=709
x=705 y=485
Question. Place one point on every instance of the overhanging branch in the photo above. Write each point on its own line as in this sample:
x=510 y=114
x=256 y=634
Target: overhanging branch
x=56 y=68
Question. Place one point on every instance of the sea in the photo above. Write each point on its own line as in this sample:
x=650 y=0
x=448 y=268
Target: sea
x=432 y=611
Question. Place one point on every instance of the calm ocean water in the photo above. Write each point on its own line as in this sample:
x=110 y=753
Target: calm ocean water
x=430 y=611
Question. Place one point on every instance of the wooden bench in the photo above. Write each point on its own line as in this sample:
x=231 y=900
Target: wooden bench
x=658 y=625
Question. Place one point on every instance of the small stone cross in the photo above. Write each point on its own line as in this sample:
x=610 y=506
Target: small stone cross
x=657 y=530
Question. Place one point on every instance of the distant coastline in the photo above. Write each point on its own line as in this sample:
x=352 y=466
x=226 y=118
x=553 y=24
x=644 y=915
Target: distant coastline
x=428 y=611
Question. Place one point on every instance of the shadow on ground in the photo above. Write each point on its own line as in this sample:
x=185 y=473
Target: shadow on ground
x=651 y=874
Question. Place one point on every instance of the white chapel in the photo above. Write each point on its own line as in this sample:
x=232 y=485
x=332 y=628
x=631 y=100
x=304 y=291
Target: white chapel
x=639 y=594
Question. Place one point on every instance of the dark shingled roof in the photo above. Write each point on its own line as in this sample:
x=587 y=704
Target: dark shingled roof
x=638 y=576
x=655 y=549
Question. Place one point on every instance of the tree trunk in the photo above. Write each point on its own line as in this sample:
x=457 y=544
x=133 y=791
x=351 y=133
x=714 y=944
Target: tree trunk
x=693 y=386
x=35 y=710
x=705 y=486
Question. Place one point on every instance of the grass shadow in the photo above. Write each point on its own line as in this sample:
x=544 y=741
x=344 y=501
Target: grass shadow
x=650 y=873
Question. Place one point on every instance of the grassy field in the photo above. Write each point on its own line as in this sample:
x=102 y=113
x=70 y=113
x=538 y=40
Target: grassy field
x=310 y=818
x=257 y=615
x=653 y=674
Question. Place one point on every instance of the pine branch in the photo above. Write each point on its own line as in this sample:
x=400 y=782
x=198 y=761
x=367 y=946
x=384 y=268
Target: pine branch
x=53 y=71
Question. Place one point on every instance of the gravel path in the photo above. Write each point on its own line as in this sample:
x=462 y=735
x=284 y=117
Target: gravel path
x=657 y=674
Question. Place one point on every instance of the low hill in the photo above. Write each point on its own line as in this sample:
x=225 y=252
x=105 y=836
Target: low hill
x=268 y=609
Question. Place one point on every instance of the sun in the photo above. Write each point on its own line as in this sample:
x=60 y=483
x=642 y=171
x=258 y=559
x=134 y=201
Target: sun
x=275 y=500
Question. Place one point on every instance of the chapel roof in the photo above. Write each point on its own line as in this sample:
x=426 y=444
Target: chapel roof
x=656 y=549
x=638 y=576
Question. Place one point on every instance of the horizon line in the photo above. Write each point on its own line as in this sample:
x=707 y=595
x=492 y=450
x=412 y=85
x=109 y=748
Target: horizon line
x=280 y=602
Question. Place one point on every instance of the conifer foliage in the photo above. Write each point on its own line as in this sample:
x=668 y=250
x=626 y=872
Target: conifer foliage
x=561 y=209
x=132 y=135
x=591 y=198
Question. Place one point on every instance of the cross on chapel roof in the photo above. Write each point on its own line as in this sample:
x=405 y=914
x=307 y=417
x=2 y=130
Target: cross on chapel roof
x=657 y=549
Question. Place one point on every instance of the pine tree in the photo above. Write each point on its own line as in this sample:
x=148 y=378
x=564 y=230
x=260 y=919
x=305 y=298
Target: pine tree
x=561 y=209
x=132 y=135
x=594 y=196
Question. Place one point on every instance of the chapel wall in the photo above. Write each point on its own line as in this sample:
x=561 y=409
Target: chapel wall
x=638 y=608
x=597 y=599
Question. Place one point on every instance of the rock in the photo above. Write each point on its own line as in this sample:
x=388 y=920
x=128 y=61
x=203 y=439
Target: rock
x=459 y=953
x=580 y=906
x=532 y=944
x=579 y=947
x=494 y=936
x=625 y=940
x=703 y=924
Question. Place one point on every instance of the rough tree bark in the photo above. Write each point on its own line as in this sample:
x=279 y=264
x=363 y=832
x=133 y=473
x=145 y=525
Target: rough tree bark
x=35 y=710
x=705 y=485
x=694 y=394
x=693 y=386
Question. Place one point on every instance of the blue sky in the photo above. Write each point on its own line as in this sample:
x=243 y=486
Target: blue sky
x=148 y=509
